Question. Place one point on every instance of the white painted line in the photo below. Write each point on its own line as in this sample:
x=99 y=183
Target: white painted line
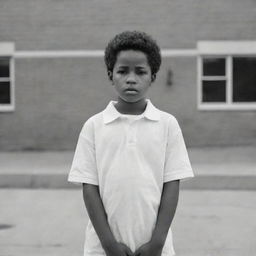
x=58 y=54
x=7 y=48
x=95 y=53
x=229 y=107
x=226 y=47
x=179 y=52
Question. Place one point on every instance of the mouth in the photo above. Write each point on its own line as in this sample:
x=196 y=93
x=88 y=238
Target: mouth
x=131 y=91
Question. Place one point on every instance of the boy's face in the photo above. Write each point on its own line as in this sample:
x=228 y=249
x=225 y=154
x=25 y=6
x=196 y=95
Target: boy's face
x=131 y=75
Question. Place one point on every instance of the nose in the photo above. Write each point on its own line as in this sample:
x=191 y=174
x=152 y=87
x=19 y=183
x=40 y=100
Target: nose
x=131 y=79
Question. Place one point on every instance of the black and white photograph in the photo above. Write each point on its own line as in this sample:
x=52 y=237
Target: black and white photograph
x=127 y=128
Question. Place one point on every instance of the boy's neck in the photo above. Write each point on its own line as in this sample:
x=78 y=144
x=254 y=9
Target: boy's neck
x=133 y=108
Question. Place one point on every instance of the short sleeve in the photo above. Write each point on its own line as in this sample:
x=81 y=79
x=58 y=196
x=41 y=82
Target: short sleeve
x=84 y=169
x=177 y=164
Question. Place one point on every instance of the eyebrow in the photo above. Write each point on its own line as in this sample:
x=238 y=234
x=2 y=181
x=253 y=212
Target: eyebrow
x=138 y=67
x=122 y=66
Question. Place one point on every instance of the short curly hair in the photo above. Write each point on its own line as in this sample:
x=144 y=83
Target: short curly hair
x=133 y=40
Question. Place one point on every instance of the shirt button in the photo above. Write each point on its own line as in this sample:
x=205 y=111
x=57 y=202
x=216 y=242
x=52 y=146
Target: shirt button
x=131 y=140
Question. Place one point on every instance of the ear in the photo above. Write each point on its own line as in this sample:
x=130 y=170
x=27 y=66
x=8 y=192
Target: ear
x=153 y=77
x=110 y=75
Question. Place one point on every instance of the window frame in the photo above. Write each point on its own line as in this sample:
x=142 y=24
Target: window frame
x=7 y=51
x=227 y=50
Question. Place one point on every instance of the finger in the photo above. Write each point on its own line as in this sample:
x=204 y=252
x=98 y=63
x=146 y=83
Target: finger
x=129 y=251
x=137 y=253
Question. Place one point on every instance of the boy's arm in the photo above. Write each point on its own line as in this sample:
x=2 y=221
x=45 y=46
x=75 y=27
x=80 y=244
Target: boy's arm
x=167 y=208
x=97 y=213
x=98 y=217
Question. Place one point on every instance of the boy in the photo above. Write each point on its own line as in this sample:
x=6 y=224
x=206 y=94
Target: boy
x=130 y=158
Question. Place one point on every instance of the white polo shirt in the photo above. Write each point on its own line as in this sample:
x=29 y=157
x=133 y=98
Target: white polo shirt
x=129 y=158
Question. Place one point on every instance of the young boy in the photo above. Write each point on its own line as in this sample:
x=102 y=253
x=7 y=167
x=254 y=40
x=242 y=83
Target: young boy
x=130 y=158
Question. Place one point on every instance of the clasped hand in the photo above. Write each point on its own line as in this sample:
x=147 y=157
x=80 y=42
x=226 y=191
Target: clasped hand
x=120 y=249
x=149 y=249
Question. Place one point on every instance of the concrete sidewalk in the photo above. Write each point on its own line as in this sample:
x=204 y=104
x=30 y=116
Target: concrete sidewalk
x=215 y=168
x=52 y=223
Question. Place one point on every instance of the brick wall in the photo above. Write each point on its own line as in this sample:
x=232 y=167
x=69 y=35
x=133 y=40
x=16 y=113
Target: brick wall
x=55 y=96
x=79 y=24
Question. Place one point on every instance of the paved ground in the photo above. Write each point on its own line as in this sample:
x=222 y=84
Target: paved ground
x=205 y=161
x=215 y=215
x=215 y=168
x=52 y=223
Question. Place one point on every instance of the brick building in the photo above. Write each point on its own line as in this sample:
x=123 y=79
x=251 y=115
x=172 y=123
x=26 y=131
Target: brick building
x=52 y=74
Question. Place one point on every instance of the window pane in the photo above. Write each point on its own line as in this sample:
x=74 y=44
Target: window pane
x=244 y=79
x=5 y=93
x=4 y=67
x=214 y=91
x=214 y=67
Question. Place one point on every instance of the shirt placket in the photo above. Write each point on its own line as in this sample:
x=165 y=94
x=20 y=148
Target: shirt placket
x=131 y=133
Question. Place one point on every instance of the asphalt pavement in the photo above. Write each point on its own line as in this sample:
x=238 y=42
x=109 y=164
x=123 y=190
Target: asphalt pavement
x=51 y=222
x=42 y=214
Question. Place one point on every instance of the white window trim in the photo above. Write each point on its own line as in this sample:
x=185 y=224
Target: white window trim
x=227 y=50
x=7 y=50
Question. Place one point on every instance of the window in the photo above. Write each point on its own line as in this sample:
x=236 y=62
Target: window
x=244 y=79
x=227 y=75
x=214 y=80
x=5 y=89
x=6 y=77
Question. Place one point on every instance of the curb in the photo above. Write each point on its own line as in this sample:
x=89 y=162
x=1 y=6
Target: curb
x=59 y=181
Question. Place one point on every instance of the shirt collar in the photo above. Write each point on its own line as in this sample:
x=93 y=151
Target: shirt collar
x=110 y=113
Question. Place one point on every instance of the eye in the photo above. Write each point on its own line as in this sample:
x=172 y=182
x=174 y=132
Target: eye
x=141 y=72
x=121 y=71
